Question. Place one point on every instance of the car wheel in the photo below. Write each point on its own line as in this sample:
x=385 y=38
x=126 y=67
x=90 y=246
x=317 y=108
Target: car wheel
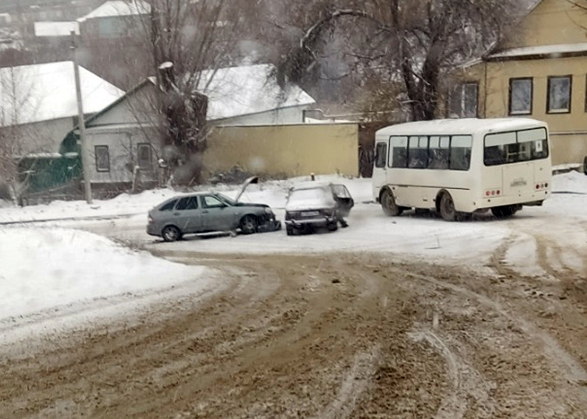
x=447 y=208
x=248 y=224
x=332 y=226
x=171 y=234
x=289 y=230
x=388 y=204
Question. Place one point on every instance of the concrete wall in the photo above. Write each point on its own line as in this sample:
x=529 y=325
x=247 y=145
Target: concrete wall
x=287 y=150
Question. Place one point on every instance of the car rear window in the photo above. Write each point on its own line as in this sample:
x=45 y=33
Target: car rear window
x=169 y=206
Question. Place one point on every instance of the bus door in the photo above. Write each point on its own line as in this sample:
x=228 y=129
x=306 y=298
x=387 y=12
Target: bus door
x=379 y=178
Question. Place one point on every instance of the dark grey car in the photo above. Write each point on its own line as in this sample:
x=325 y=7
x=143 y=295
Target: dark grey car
x=315 y=205
x=205 y=212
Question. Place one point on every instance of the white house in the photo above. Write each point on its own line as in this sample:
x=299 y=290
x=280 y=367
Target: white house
x=123 y=135
x=38 y=104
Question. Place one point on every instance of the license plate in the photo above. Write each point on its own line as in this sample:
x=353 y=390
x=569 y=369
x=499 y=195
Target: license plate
x=310 y=213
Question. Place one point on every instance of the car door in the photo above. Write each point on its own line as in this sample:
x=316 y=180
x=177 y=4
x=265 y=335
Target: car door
x=343 y=198
x=188 y=215
x=216 y=215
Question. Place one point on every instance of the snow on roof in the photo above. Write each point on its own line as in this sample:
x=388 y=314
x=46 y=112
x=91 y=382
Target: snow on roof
x=541 y=50
x=42 y=92
x=43 y=29
x=237 y=91
x=118 y=8
x=459 y=126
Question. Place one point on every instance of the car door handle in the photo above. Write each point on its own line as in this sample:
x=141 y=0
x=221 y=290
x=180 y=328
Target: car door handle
x=176 y=213
x=204 y=212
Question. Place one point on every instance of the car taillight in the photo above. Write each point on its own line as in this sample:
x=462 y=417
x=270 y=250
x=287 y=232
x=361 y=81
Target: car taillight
x=493 y=192
x=150 y=220
x=540 y=186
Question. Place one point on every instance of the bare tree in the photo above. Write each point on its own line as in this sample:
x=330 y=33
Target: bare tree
x=407 y=44
x=17 y=138
x=189 y=41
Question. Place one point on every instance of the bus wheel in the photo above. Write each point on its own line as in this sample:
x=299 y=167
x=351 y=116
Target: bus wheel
x=447 y=208
x=388 y=204
x=504 y=212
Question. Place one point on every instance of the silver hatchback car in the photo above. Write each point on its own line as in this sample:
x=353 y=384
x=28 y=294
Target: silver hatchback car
x=205 y=212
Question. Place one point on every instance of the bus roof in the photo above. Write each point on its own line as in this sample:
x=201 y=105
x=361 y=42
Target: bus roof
x=460 y=126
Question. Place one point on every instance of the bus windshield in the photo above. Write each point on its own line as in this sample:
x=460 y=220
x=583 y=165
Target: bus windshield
x=515 y=147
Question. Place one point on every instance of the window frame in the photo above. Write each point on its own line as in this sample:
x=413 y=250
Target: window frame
x=100 y=169
x=192 y=198
x=511 y=112
x=148 y=147
x=556 y=111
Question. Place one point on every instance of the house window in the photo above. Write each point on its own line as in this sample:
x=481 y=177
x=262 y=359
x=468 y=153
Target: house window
x=521 y=96
x=464 y=100
x=144 y=156
x=102 y=158
x=559 y=94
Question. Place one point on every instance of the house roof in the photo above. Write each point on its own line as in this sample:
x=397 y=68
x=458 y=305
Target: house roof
x=49 y=29
x=246 y=90
x=118 y=8
x=42 y=92
x=235 y=91
x=541 y=51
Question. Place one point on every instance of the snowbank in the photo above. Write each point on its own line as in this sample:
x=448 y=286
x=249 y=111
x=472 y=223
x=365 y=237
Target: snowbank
x=571 y=182
x=43 y=268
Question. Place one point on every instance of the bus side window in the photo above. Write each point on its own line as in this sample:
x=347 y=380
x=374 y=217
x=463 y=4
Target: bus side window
x=438 y=153
x=460 y=152
x=418 y=153
x=399 y=152
x=381 y=155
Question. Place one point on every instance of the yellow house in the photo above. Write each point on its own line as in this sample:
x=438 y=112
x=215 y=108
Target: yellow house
x=540 y=71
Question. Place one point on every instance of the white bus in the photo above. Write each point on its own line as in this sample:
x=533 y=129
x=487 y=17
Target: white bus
x=459 y=166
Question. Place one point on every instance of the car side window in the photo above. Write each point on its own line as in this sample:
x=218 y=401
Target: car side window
x=187 y=203
x=169 y=206
x=209 y=201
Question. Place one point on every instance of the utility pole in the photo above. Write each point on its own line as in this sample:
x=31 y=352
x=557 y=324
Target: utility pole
x=81 y=124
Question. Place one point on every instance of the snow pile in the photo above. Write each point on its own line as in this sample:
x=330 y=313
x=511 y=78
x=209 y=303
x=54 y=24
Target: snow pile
x=44 y=268
x=571 y=182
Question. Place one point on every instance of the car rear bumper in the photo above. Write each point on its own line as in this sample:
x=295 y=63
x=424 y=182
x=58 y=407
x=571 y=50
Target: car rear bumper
x=152 y=231
x=310 y=222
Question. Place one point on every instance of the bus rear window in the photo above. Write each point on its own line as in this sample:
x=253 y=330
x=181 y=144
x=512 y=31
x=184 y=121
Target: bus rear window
x=514 y=147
